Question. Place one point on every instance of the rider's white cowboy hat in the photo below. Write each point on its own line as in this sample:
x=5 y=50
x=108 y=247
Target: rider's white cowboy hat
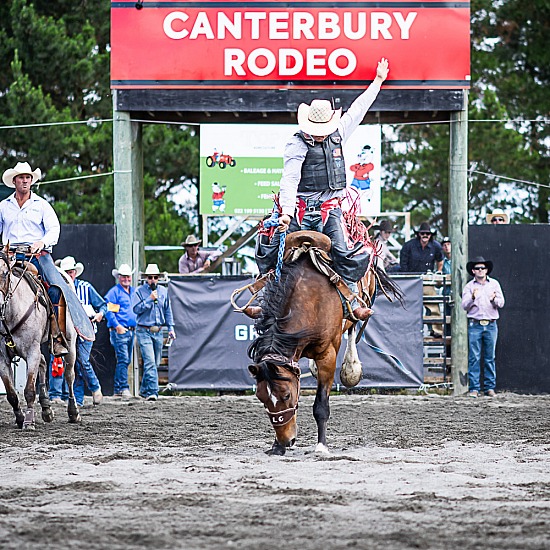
x=124 y=269
x=319 y=118
x=497 y=213
x=68 y=263
x=190 y=241
x=20 y=168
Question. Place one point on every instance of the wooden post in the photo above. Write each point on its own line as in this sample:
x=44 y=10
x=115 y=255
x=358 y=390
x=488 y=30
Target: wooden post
x=458 y=226
x=128 y=185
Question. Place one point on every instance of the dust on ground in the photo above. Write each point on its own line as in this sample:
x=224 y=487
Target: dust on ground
x=191 y=472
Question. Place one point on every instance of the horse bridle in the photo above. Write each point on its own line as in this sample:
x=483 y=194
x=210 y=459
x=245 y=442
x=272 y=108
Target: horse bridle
x=282 y=418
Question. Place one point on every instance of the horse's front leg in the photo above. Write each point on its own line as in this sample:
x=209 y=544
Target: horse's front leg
x=72 y=407
x=33 y=364
x=11 y=394
x=43 y=396
x=321 y=410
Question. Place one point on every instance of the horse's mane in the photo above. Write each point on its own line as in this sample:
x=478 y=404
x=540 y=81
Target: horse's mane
x=269 y=327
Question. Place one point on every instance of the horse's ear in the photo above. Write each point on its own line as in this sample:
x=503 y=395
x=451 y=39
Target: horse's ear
x=254 y=370
x=295 y=369
x=7 y=248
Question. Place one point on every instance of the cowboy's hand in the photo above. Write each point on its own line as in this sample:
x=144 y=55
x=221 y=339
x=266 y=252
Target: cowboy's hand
x=121 y=330
x=97 y=318
x=154 y=295
x=382 y=69
x=284 y=222
x=37 y=247
x=474 y=292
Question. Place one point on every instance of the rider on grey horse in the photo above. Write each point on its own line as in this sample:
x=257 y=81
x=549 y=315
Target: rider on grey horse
x=27 y=219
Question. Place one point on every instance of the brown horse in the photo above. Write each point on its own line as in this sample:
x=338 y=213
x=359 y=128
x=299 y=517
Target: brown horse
x=303 y=317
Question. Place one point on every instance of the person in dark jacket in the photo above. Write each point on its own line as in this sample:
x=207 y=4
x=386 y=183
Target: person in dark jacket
x=423 y=253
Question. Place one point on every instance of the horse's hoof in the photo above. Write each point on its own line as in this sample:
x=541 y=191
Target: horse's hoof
x=321 y=449
x=47 y=415
x=29 y=426
x=75 y=419
x=351 y=374
x=276 y=450
x=19 y=419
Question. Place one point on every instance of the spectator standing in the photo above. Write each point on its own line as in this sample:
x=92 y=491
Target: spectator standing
x=423 y=253
x=151 y=306
x=497 y=216
x=482 y=297
x=446 y=247
x=121 y=322
x=96 y=308
x=194 y=260
x=385 y=229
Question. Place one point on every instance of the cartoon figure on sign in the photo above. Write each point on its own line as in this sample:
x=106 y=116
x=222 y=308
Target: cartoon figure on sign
x=362 y=169
x=218 y=202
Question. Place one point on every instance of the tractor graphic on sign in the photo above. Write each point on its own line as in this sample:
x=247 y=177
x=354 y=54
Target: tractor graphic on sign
x=221 y=159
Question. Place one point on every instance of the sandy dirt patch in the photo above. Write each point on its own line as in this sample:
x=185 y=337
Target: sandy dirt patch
x=191 y=472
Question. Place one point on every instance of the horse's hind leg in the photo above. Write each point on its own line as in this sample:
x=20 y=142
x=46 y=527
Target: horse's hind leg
x=33 y=362
x=43 y=396
x=72 y=407
x=11 y=394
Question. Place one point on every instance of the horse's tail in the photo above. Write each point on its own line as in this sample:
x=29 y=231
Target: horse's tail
x=388 y=286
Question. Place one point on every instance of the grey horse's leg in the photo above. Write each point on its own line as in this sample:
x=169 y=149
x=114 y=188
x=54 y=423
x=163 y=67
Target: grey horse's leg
x=70 y=359
x=43 y=396
x=33 y=363
x=11 y=394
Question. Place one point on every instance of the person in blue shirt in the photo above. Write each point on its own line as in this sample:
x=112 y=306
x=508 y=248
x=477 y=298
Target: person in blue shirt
x=421 y=254
x=121 y=322
x=96 y=308
x=151 y=305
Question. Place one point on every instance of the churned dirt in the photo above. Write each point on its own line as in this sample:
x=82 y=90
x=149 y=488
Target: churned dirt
x=191 y=472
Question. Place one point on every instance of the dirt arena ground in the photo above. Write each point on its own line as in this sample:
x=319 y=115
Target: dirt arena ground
x=191 y=472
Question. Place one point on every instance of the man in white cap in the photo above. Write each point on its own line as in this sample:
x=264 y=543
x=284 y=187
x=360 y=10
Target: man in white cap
x=153 y=311
x=314 y=181
x=29 y=220
x=96 y=309
x=121 y=322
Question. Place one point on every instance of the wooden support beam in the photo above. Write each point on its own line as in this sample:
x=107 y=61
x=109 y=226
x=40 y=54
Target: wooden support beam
x=240 y=242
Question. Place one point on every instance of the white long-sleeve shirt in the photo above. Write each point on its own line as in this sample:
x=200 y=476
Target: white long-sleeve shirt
x=296 y=150
x=35 y=221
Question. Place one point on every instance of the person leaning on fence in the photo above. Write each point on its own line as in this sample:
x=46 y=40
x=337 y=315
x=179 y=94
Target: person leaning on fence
x=423 y=253
x=385 y=229
x=497 y=217
x=482 y=297
x=313 y=185
x=96 y=308
x=194 y=260
x=151 y=306
x=121 y=322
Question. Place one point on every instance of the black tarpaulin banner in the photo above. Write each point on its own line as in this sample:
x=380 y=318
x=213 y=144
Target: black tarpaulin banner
x=210 y=349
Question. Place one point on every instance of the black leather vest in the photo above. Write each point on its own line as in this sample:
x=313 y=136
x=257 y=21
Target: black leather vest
x=324 y=167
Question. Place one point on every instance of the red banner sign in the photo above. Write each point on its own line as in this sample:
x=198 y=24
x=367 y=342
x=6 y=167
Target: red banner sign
x=212 y=44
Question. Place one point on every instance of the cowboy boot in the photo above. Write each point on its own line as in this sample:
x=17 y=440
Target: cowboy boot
x=254 y=312
x=58 y=344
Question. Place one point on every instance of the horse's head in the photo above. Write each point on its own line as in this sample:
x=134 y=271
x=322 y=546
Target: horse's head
x=278 y=388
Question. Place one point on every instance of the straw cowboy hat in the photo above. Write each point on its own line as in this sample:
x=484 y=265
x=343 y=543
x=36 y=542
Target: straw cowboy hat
x=68 y=263
x=497 y=213
x=319 y=118
x=190 y=241
x=479 y=260
x=151 y=269
x=20 y=168
x=124 y=269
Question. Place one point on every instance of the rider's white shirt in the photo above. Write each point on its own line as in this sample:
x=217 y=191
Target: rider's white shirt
x=36 y=221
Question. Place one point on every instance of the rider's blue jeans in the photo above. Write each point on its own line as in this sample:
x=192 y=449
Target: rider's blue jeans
x=123 y=344
x=150 y=345
x=482 y=338
x=85 y=374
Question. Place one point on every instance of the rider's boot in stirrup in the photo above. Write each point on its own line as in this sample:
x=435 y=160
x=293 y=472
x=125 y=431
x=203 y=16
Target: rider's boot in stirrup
x=58 y=344
x=362 y=313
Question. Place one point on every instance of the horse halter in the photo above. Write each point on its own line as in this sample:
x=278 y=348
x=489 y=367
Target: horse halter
x=282 y=418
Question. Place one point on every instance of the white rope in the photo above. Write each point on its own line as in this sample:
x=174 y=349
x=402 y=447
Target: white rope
x=89 y=121
x=78 y=178
x=509 y=179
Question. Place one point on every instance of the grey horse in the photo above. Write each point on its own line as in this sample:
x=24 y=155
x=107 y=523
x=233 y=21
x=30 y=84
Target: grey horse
x=24 y=326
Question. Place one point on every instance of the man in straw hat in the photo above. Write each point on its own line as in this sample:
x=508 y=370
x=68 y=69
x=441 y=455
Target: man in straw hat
x=497 y=216
x=29 y=220
x=95 y=308
x=314 y=182
x=121 y=322
x=482 y=297
x=194 y=260
x=153 y=311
